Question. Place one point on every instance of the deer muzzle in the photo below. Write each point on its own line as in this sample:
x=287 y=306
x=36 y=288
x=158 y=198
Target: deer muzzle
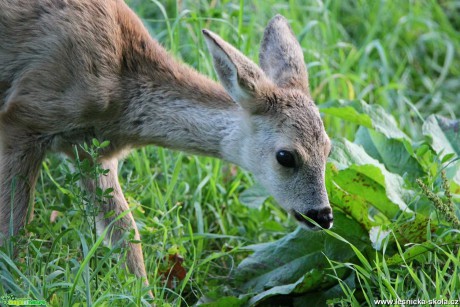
x=322 y=217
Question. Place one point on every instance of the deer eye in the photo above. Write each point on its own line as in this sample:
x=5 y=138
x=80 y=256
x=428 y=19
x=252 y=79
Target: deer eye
x=285 y=158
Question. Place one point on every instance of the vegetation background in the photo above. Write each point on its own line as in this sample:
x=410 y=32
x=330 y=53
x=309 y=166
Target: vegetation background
x=377 y=69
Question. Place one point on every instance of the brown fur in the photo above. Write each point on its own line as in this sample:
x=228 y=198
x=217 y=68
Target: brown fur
x=74 y=70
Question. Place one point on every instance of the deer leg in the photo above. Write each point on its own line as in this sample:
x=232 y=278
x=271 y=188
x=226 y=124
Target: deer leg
x=117 y=204
x=20 y=161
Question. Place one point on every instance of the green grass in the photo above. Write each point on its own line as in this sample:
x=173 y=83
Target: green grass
x=402 y=55
x=434 y=276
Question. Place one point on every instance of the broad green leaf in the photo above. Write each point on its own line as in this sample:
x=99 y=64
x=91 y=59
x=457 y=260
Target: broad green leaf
x=443 y=133
x=313 y=280
x=393 y=153
x=360 y=174
x=326 y=297
x=414 y=230
x=348 y=110
x=414 y=252
x=419 y=252
x=281 y=262
x=314 y=276
x=367 y=115
x=358 y=181
x=297 y=263
x=353 y=205
x=454 y=173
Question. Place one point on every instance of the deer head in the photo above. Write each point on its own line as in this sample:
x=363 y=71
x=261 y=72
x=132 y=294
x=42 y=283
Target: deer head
x=281 y=138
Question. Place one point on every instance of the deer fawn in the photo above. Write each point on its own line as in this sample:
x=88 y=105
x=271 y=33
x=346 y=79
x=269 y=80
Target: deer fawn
x=75 y=70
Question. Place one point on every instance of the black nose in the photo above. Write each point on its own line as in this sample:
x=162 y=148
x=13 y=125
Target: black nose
x=322 y=217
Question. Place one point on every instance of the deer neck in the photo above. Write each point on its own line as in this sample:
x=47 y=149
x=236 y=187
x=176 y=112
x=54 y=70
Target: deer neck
x=177 y=108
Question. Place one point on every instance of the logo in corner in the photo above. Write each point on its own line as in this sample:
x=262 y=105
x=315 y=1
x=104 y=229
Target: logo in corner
x=11 y=300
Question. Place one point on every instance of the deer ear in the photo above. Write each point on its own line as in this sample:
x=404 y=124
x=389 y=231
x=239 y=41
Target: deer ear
x=241 y=78
x=281 y=57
